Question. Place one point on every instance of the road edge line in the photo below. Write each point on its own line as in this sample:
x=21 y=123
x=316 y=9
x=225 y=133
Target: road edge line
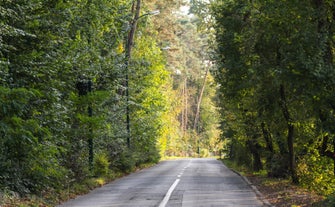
x=254 y=188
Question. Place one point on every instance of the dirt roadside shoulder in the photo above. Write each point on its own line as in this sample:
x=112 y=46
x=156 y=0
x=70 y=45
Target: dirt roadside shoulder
x=281 y=193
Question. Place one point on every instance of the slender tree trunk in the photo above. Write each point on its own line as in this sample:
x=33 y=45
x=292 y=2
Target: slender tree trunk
x=184 y=114
x=133 y=25
x=197 y=113
x=269 y=143
x=182 y=109
x=90 y=139
x=129 y=45
x=267 y=138
x=185 y=106
x=254 y=149
x=290 y=134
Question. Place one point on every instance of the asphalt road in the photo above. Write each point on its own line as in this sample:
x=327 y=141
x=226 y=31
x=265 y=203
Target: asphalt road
x=177 y=183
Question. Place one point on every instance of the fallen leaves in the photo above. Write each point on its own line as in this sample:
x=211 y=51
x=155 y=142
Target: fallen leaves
x=281 y=193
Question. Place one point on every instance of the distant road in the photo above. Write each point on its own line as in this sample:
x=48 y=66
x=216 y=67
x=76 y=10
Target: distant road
x=177 y=183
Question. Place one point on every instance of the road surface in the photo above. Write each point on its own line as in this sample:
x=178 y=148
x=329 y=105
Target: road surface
x=177 y=183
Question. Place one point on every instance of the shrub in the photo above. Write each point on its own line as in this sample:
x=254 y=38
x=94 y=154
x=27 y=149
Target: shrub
x=125 y=161
x=278 y=167
x=316 y=173
x=101 y=164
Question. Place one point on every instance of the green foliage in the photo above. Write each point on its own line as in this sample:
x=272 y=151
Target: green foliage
x=63 y=97
x=316 y=173
x=62 y=94
x=125 y=161
x=274 y=63
x=34 y=165
x=101 y=164
x=239 y=154
x=151 y=104
x=188 y=63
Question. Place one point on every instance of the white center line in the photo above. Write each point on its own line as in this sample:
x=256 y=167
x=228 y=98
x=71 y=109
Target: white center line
x=168 y=194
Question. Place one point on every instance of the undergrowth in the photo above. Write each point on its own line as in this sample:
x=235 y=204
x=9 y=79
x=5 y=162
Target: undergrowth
x=70 y=190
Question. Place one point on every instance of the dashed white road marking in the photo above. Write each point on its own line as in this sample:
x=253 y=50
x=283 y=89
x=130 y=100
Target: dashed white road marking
x=173 y=186
x=168 y=194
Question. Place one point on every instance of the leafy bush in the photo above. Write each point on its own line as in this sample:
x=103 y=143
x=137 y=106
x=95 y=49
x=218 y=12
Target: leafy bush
x=278 y=167
x=316 y=173
x=28 y=159
x=125 y=161
x=101 y=164
x=240 y=155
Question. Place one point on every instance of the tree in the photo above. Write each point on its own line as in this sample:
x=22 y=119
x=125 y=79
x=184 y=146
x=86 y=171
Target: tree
x=269 y=61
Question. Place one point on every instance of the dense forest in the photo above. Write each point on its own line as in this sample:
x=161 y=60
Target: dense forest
x=274 y=63
x=93 y=88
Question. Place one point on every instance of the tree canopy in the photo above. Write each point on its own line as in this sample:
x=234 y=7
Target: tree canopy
x=275 y=66
x=89 y=88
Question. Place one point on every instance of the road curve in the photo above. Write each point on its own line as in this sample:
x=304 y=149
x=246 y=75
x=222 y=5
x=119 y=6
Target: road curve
x=177 y=183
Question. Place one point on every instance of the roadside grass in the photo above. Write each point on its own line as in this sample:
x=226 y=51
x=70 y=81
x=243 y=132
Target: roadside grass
x=243 y=170
x=71 y=190
x=281 y=192
x=173 y=158
x=51 y=197
x=187 y=157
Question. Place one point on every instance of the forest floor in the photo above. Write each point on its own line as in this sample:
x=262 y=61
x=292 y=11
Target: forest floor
x=282 y=193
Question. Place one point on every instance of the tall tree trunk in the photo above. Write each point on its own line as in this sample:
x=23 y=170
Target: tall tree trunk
x=129 y=46
x=268 y=140
x=136 y=8
x=290 y=134
x=254 y=149
x=197 y=113
x=186 y=106
x=184 y=111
